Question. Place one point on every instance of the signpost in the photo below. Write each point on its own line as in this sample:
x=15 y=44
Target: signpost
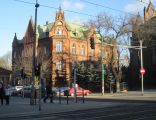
x=142 y=71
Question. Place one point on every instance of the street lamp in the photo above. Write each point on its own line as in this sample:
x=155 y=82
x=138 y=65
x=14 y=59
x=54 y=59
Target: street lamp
x=34 y=62
x=102 y=64
x=142 y=72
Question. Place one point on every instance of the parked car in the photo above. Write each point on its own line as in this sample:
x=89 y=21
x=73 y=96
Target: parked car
x=63 y=91
x=17 y=90
x=79 y=91
x=27 y=91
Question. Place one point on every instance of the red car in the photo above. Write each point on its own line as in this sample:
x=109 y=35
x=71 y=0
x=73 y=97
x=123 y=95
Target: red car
x=79 y=91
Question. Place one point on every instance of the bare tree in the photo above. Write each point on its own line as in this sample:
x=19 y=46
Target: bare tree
x=114 y=31
x=5 y=61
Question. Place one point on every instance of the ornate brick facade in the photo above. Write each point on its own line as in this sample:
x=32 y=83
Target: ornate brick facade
x=60 y=44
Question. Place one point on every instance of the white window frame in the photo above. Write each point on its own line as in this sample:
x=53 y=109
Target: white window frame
x=92 y=52
x=83 y=50
x=73 y=49
x=58 y=46
x=58 y=65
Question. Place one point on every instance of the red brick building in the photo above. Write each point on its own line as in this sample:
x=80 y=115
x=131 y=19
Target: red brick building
x=60 y=44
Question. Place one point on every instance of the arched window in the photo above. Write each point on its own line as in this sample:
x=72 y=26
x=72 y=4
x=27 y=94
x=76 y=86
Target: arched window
x=83 y=50
x=73 y=49
x=58 y=46
x=58 y=65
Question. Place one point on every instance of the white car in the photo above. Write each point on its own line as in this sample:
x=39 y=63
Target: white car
x=18 y=88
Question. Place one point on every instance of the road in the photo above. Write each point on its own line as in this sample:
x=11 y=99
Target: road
x=115 y=107
x=130 y=111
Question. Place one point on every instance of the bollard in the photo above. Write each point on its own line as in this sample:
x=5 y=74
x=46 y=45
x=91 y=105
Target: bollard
x=51 y=98
x=35 y=96
x=67 y=96
x=83 y=95
x=59 y=96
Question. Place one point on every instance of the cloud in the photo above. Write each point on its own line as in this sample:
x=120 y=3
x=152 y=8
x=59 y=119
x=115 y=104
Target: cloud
x=137 y=6
x=67 y=5
x=134 y=7
x=77 y=20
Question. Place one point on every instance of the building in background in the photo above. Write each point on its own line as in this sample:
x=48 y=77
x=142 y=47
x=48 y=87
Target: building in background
x=144 y=29
x=5 y=76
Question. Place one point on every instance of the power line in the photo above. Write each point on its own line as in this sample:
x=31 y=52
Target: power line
x=46 y=6
x=25 y=2
x=142 y=1
x=107 y=7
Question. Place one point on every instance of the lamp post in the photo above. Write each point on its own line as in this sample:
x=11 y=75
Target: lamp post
x=102 y=64
x=34 y=61
x=142 y=76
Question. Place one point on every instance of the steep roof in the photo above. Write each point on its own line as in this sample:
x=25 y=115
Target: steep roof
x=43 y=29
x=76 y=30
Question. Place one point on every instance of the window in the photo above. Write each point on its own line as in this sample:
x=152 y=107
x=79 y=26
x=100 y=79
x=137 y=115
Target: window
x=73 y=49
x=83 y=50
x=100 y=53
x=92 y=52
x=58 y=46
x=44 y=50
x=14 y=54
x=58 y=65
x=106 y=55
x=59 y=32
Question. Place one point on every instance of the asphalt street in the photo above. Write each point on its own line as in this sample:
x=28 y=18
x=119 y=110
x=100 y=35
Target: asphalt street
x=129 y=106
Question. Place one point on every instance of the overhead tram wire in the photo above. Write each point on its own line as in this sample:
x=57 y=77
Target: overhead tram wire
x=31 y=3
x=25 y=2
x=125 y=46
x=121 y=11
x=46 y=6
x=142 y=1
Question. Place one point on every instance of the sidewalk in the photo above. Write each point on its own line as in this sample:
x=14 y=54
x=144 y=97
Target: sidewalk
x=149 y=95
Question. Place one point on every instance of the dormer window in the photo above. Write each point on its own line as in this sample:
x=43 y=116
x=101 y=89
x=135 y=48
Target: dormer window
x=59 y=32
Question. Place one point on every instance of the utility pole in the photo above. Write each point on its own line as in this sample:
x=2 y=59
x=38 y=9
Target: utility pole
x=102 y=65
x=34 y=62
x=74 y=68
x=142 y=76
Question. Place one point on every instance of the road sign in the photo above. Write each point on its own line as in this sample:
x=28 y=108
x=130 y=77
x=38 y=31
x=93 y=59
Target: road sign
x=142 y=71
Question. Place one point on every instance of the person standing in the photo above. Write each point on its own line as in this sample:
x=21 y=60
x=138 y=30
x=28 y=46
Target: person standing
x=48 y=92
x=7 y=94
x=2 y=93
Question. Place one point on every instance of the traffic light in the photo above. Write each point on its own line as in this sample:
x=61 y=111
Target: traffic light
x=37 y=70
x=92 y=45
x=22 y=73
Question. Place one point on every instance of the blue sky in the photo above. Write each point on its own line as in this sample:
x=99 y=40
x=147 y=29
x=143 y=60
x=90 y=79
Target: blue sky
x=15 y=15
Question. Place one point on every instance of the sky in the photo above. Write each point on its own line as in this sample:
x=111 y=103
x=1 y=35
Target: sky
x=15 y=14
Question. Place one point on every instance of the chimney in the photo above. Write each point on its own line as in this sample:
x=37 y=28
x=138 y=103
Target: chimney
x=47 y=22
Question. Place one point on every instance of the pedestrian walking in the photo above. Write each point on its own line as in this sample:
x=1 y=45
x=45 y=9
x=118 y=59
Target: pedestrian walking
x=2 y=93
x=48 y=92
x=7 y=94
